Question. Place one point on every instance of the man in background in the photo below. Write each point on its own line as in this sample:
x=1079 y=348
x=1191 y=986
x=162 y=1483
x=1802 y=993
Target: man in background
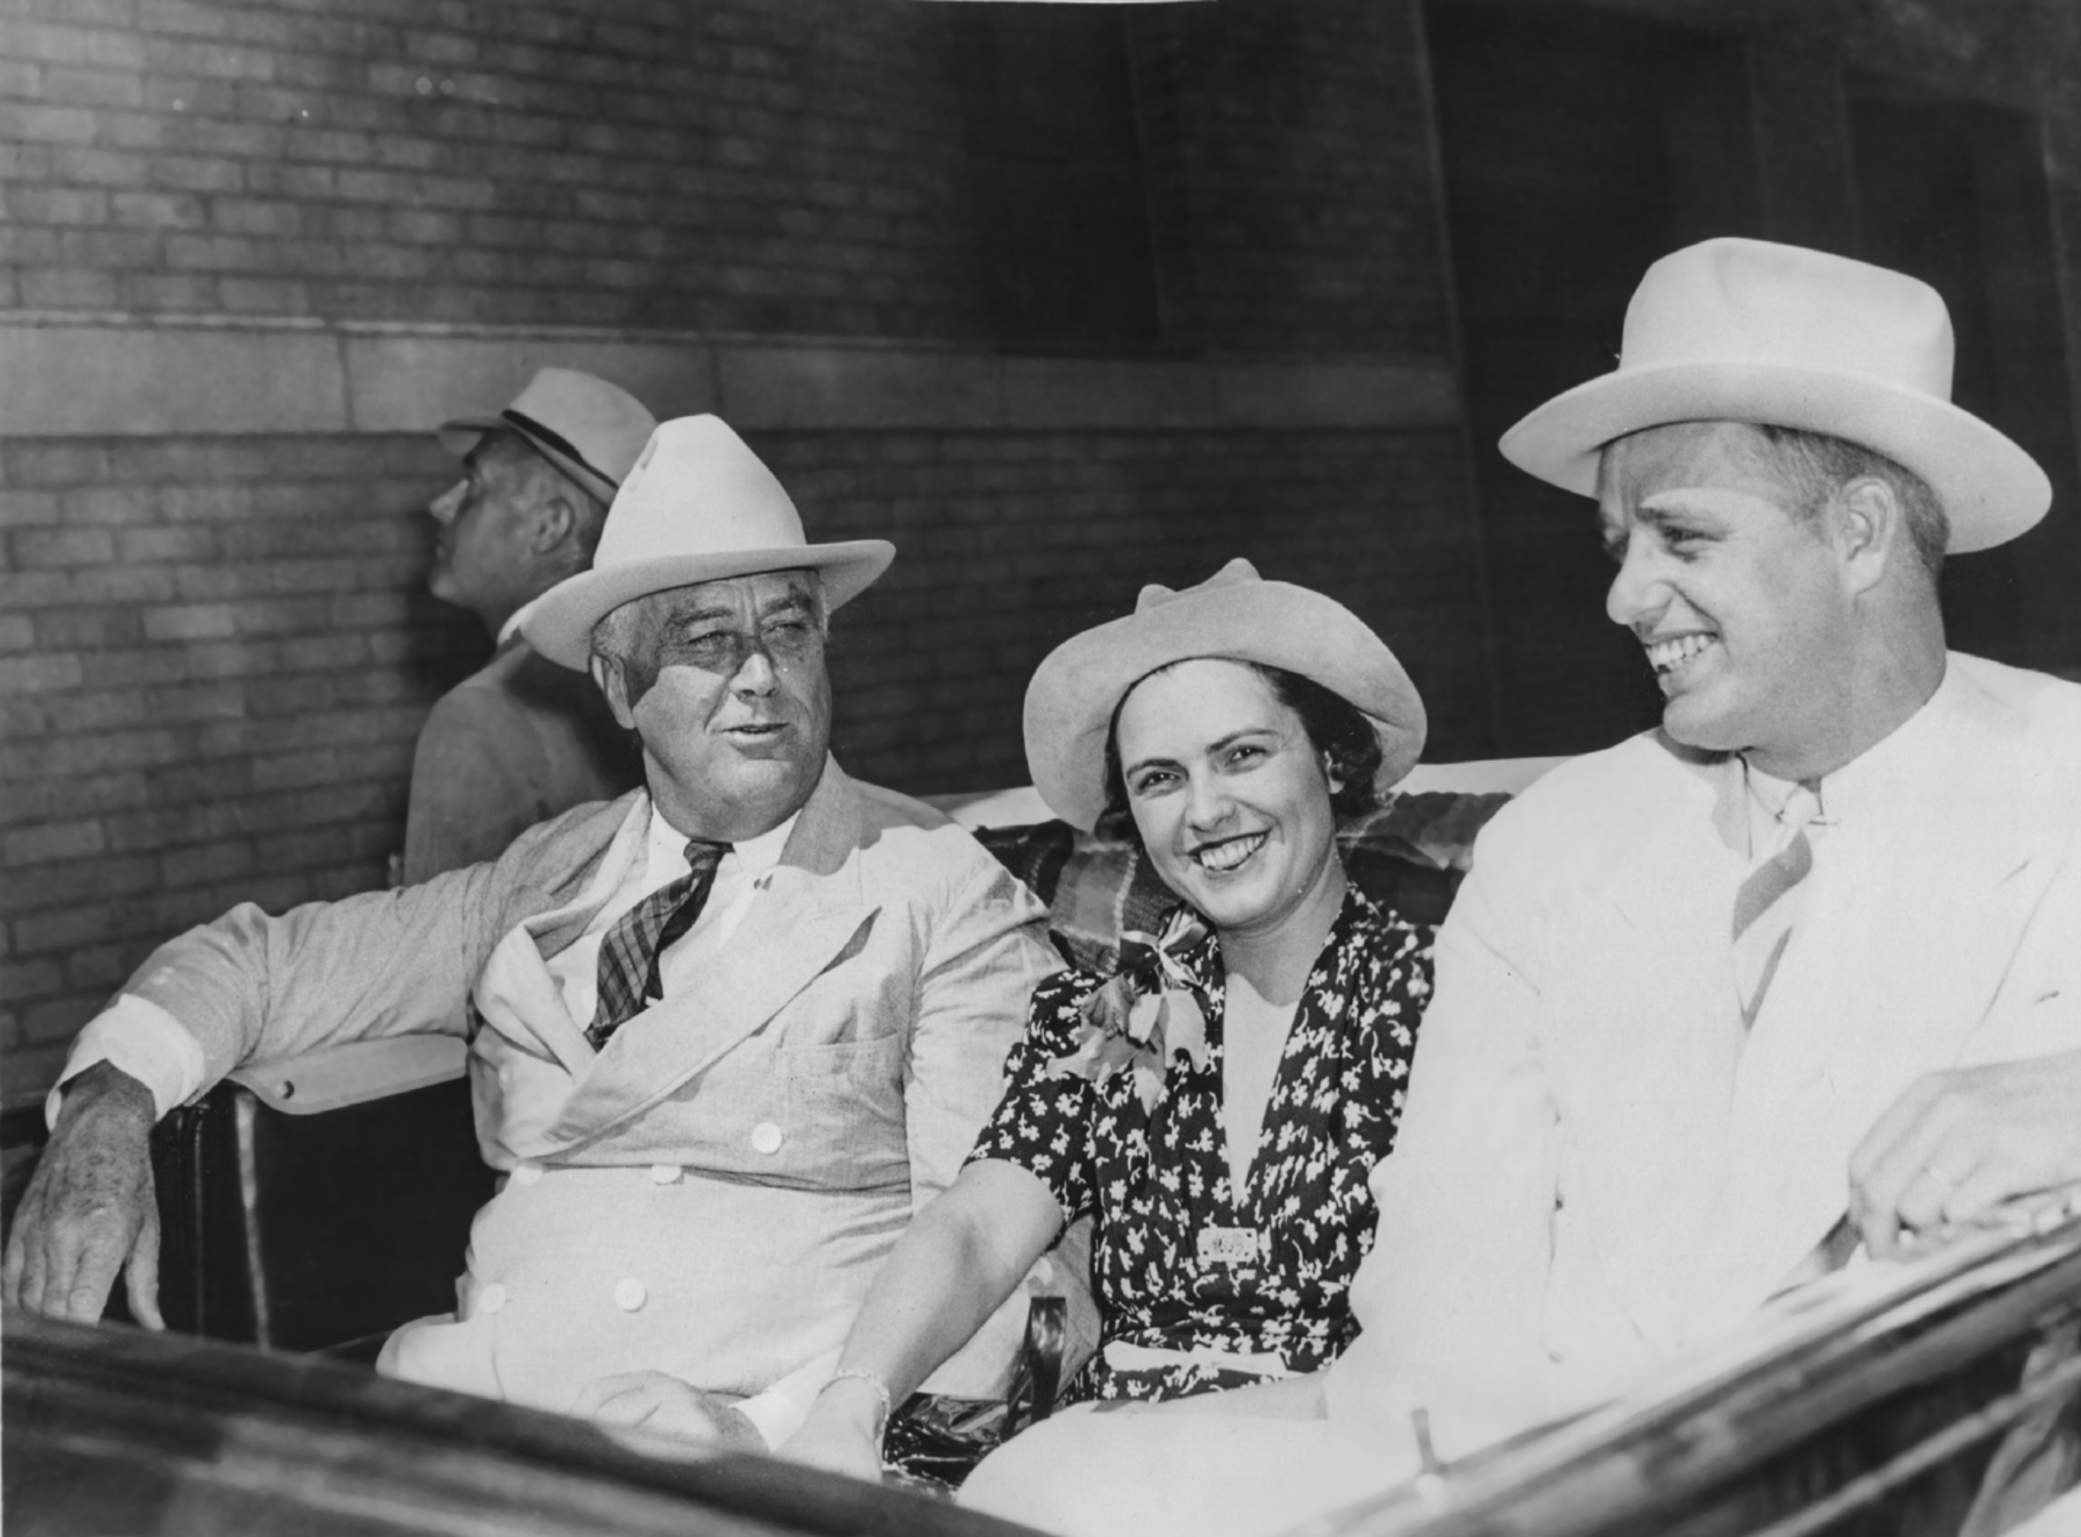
x=521 y=739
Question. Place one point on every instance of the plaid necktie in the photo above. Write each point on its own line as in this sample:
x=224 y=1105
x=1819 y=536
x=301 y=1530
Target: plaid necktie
x=1767 y=905
x=634 y=948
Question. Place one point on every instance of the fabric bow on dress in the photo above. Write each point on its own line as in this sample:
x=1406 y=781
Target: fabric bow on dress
x=1145 y=1013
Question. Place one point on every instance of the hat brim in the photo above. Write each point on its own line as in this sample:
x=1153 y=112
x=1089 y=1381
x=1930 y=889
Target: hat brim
x=466 y=432
x=559 y=624
x=1991 y=490
x=1070 y=702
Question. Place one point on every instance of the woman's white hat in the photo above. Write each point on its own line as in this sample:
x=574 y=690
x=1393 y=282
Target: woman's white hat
x=589 y=429
x=1749 y=331
x=698 y=506
x=1234 y=614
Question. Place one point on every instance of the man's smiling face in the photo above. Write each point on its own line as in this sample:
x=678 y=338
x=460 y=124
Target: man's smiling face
x=1738 y=602
x=725 y=683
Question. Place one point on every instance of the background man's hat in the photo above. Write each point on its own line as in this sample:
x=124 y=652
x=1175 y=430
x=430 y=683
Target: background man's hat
x=1234 y=614
x=589 y=429
x=1748 y=331
x=698 y=506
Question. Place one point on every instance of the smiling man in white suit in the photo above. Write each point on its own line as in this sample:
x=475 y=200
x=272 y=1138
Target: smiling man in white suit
x=1789 y=970
x=728 y=1032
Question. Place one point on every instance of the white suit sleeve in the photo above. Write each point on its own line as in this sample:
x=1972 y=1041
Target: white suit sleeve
x=987 y=953
x=139 y=1038
x=1451 y=1298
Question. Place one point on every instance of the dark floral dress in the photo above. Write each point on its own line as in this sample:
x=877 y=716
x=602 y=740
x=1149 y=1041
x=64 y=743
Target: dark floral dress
x=1178 y=1262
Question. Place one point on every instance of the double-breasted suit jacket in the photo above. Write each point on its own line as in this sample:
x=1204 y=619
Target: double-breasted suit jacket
x=711 y=1193
x=1596 y=1166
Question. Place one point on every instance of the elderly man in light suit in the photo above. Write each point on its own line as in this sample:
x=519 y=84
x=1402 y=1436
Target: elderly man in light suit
x=1717 y=1000
x=729 y=1031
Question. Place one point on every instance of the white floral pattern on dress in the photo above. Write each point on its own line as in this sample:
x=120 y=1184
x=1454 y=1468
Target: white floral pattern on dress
x=1157 y=1177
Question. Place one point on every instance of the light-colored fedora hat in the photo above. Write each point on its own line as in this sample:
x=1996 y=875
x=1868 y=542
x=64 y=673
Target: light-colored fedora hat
x=1749 y=331
x=1234 y=614
x=589 y=429
x=699 y=506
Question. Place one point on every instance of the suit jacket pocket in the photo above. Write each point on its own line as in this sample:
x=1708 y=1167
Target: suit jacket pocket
x=843 y=1109
x=814 y=1117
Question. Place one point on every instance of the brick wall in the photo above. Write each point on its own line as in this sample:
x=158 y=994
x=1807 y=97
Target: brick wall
x=1291 y=193
x=215 y=657
x=789 y=166
x=741 y=166
x=1008 y=544
x=213 y=666
x=214 y=650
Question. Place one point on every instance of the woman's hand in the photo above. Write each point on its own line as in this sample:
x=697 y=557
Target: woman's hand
x=842 y=1433
x=659 y=1404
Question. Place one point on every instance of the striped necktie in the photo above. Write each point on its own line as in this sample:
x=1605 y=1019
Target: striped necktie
x=633 y=952
x=1767 y=905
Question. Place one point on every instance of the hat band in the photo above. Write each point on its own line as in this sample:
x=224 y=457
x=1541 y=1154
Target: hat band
x=557 y=441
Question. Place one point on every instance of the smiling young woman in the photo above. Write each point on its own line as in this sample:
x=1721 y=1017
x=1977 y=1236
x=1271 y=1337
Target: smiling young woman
x=1219 y=1102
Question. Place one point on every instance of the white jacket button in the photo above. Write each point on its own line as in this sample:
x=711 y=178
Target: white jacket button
x=664 y=1174
x=527 y=1173
x=491 y=1299
x=630 y=1295
x=767 y=1137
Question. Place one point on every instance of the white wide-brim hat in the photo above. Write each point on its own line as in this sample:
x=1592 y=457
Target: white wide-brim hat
x=1234 y=615
x=589 y=429
x=699 y=506
x=1776 y=335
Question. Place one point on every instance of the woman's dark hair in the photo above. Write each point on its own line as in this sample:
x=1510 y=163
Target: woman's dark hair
x=1336 y=728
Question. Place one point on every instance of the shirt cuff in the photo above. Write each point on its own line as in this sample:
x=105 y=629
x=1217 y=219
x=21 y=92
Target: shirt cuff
x=779 y=1412
x=139 y=1038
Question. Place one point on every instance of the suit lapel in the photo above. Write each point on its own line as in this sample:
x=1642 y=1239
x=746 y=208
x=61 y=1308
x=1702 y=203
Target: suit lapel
x=515 y=993
x=1901 y=949
x=806 y=917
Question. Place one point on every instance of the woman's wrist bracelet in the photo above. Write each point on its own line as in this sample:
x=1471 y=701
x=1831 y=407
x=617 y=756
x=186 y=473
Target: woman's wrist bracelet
x=874 y=1380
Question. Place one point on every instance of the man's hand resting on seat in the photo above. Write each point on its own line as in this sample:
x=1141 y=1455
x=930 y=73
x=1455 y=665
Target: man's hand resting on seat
x=1959 y=1144
x=660 y=1404
x=90 y=1209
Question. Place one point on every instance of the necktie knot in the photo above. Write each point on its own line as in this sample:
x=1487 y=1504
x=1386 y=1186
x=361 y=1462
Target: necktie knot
x=1801 y=809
